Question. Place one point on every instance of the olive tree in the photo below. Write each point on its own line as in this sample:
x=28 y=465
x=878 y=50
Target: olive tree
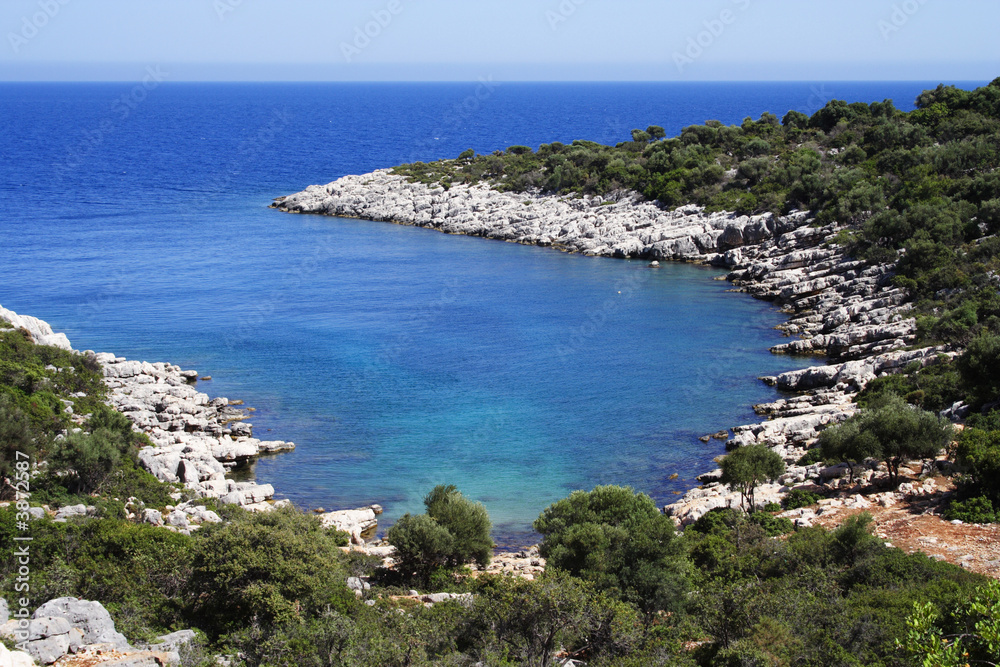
x=890 y=430
x=747 y=468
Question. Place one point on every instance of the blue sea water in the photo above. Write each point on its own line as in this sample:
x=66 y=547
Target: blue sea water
x=397 y=358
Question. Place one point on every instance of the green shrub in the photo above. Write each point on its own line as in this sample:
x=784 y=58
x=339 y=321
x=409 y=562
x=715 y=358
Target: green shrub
x=422 y=545
x=466 y=521
x=978 y=452
x=454 y=531
x=974 y=510
x=812 y=455
x=618 y=540
x=719 y=519
x=797 y=498
x=772 y=525
x=272 y=567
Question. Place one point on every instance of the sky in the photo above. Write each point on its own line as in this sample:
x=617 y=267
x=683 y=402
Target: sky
x=512 y=40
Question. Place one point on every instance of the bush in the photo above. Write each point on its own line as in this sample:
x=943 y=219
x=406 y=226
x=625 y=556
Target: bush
x=798 y=498
x=980 y=368
x=618 y=540
x=422 y=545
x=273 y=567
x=89 y=459
x=772 y=525
x=520 y=622
x=978 y=452
x=454 y=531
x=974 y=510
x=466 y=521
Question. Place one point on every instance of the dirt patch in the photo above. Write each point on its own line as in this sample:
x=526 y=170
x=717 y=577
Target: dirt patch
x=913 y=523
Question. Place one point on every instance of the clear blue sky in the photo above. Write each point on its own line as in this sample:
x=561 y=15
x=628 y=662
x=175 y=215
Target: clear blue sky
x=813 y=40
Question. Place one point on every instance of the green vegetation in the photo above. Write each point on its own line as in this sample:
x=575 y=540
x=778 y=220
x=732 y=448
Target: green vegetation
x=618 y=540
x=797 y=498
x=453 y=532
x=748 y=467
x=971 y=637
x=889 y=430
x=622 y=585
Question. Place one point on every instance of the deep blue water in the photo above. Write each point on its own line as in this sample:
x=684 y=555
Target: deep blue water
x=396 y=358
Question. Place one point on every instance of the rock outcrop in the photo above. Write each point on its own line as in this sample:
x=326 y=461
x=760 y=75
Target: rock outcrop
x=69 y=632
x=196 y=439
x=40 y=331
x=627 y=227
x=360 y=524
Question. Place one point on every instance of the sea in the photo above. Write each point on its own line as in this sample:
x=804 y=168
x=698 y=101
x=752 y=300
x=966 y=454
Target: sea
x=134 y=217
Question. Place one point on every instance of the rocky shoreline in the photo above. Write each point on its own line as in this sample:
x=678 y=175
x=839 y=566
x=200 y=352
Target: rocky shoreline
x=845 y=310
x=197 y=440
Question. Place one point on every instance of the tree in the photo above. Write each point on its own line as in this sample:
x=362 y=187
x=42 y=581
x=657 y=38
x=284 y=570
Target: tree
x=619 y=540
x=466 y=521
x=639 y=136
x=453 y=532
x=514 y=621
x=891 y=430
x=656 y=132
x=748 y=467
x=979 y=366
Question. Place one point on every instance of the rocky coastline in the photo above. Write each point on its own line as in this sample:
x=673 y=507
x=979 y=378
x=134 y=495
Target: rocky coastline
x=844 y=310
x=196 y=439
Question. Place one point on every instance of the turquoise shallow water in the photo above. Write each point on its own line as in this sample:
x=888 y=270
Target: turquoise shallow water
x=396 y=358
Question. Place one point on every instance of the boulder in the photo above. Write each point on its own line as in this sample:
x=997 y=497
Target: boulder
x=70 y=511
x=49 y=649
x=173 y=642
x=41 y=627
x=358 y=523
x=14 y=658
x=91 y=617
x=4 y=611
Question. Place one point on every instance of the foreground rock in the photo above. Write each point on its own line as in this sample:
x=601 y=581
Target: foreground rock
x=69 y=631
x=360 y=524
